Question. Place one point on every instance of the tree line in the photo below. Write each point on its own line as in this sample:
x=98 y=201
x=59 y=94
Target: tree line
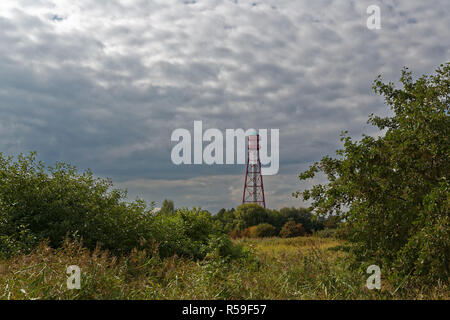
x=252 y=220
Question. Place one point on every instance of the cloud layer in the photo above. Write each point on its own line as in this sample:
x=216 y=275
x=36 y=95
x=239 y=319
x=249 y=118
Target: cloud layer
x=102 y=84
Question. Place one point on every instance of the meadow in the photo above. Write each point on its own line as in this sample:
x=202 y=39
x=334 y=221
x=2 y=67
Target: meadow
x=271 y=268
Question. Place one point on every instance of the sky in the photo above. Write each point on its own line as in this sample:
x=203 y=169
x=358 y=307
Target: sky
x=103 y=84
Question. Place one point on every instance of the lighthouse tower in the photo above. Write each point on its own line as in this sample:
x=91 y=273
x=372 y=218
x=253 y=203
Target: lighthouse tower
x=253 y=186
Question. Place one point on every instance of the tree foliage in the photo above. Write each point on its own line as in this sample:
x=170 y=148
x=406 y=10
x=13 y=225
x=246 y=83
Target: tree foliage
x=262 y=230
x=51 y=203
x=292 y=229
x=249 y=215
x=393 y=190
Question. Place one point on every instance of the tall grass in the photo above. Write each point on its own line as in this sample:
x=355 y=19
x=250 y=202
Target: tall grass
x=273 y=268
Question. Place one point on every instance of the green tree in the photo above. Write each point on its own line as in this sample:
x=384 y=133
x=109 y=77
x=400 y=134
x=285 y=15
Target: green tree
x=261 y=231
x=53 y=202
x=227 y=218
x=393 y=190
x=167 y=207
x=292 y=229
x=303 y=216
x=250 y=214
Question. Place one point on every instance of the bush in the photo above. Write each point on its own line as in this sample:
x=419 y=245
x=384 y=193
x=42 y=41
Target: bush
x=265 y=230
x=392 y=189
x=262 y=230
x=222 y=246
x=250 y=214
x=39 y=203
x=291 y=229
x=22 y=242
x=300 y=215
x=57 y=201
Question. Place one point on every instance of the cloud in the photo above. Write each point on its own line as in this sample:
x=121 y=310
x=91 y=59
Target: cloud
x=103 y=84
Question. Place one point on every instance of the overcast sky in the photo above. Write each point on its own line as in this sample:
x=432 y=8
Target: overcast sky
x=102 y=84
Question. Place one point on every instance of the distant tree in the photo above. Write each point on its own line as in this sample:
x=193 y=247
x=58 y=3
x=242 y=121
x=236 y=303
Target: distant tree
x=248 y=215
x=167 y=207
x=219 y=215
x=39 y=202
x=227 y=218
x=260 y=231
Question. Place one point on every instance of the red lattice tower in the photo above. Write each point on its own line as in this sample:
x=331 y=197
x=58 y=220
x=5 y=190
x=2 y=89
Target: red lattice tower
x=253 y=187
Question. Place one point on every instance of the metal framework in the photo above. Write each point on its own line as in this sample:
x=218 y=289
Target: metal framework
x=253 y=186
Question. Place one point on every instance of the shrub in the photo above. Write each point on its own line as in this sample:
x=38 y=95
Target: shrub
x=187 y=233
x=57 y=201
x=250 y=214
x=300 y=215
x=262 y=230
x=233 y=234
x=292 y=229
x=222 y=246
x=39 y=203
x=22 y=242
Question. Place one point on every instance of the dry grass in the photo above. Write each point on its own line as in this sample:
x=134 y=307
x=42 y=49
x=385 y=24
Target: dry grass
x=277 y=246
x=297 y=268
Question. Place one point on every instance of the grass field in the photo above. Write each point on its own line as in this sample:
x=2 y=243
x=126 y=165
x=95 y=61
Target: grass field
x=274 y=268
